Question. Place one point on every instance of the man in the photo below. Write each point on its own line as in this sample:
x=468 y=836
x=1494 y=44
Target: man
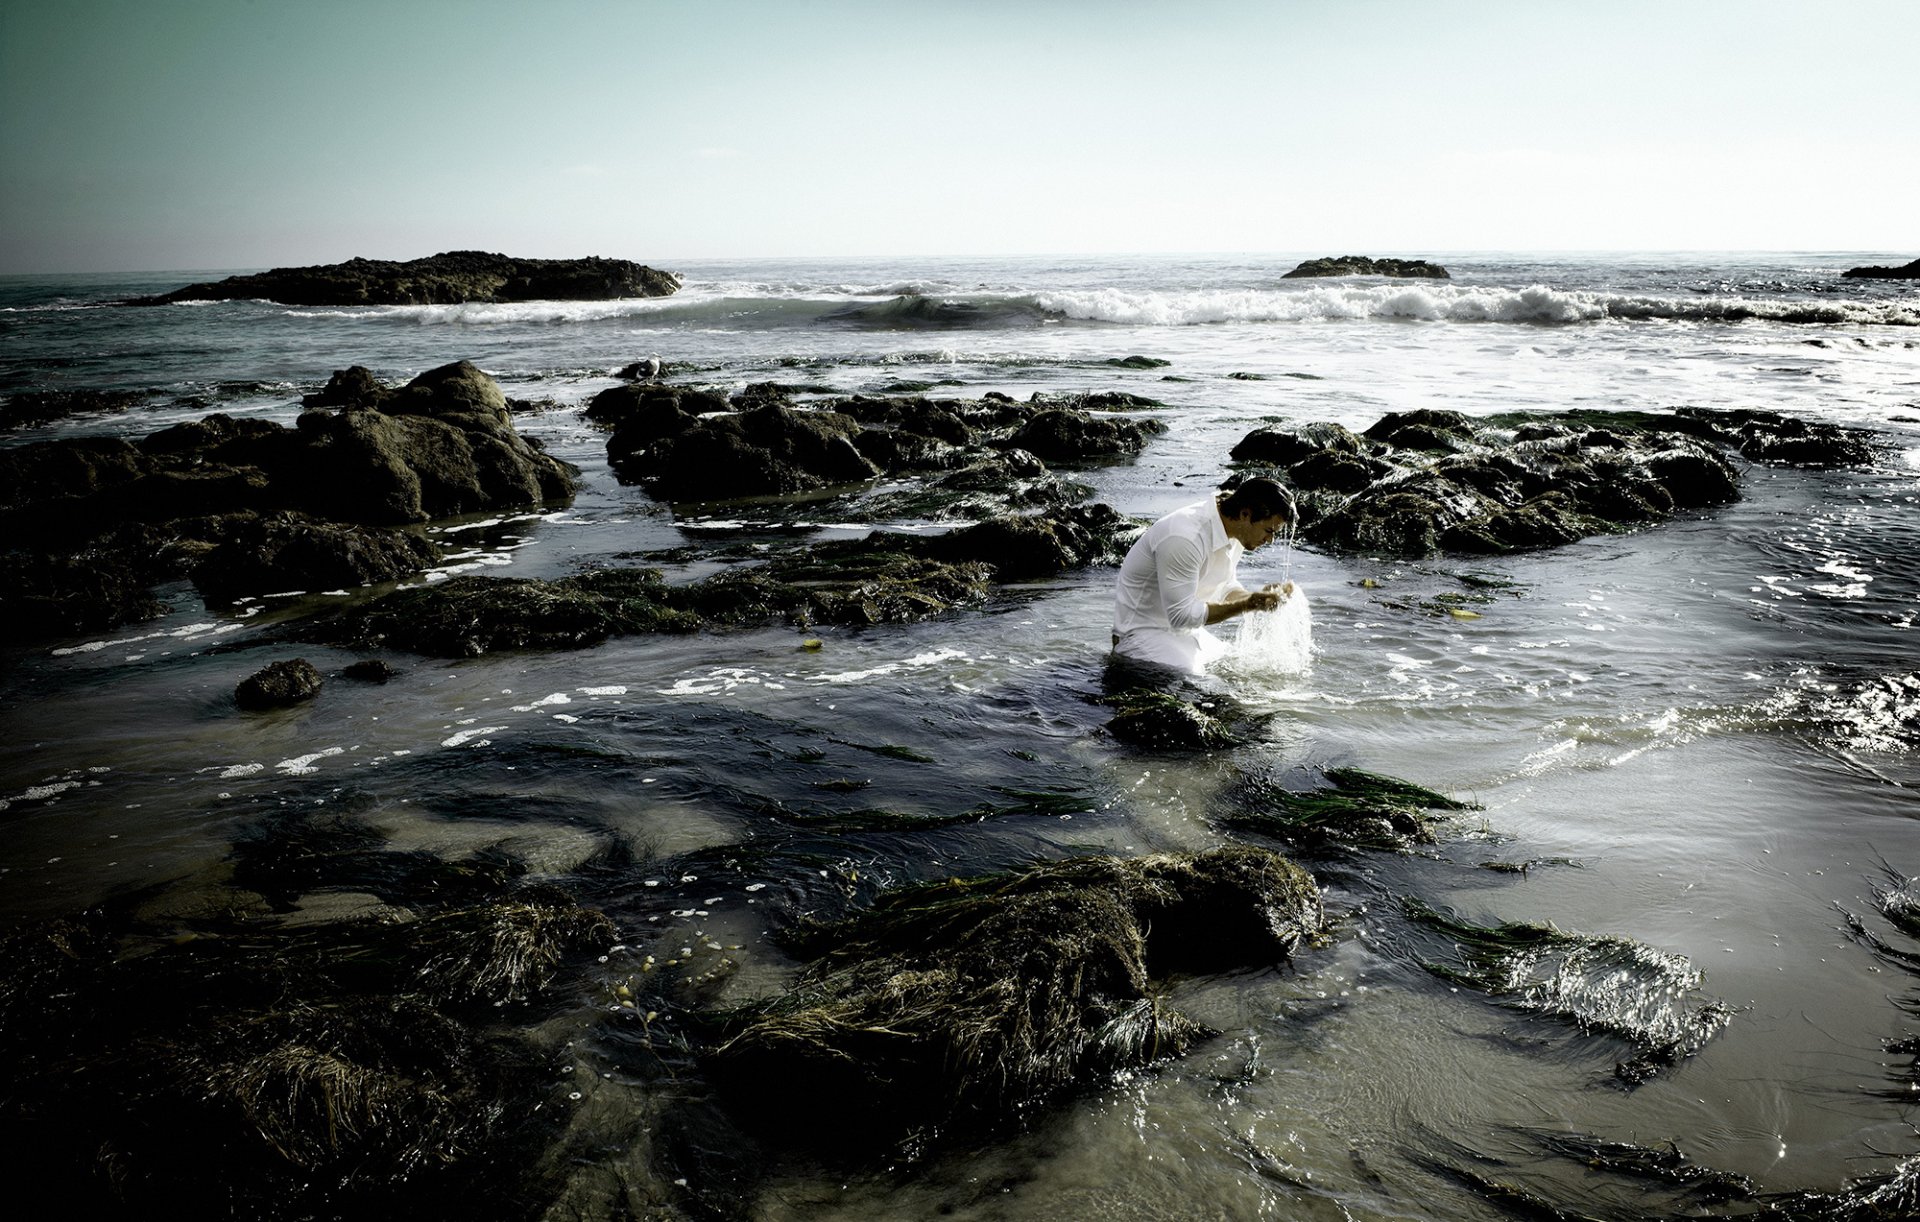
x=1180 y=576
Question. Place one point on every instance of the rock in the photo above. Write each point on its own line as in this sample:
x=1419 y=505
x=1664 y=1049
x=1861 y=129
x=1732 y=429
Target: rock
x=952 y=1006
x=443 y=279
x=1043 y=545
x=1360 y=265
x=371 y=670
x=293 y=552
x=1162 y=722
x=884 y=578
x=1138 y=362
x=768 y=449
x=354 y=386
x=1909 y=271
x=1422 y=482
x=1075 y=436
x=30 y=407
x=90 y=521
x=282 y=684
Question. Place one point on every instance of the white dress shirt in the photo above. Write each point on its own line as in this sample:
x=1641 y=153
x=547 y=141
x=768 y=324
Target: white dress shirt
x=1183 y=562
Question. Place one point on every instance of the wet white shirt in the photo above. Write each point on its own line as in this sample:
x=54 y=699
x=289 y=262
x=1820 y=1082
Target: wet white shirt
x=1183 y=562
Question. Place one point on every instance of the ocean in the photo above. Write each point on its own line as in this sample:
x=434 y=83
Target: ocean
x=1701 y=739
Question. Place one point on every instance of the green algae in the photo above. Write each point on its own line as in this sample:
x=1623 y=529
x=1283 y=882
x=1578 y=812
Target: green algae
x=1359 y=809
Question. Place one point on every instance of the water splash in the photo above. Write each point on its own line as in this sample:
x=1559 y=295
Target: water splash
x=1276 y=643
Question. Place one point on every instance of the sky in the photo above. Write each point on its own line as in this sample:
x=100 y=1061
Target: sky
x=235 y=134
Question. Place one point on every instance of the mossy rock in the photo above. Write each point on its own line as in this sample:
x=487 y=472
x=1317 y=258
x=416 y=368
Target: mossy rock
x=958 y=1005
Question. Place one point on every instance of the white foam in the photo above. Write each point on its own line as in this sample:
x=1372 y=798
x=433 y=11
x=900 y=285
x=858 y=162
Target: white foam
x=302 y=765
x=543 y=702
x=603 y=691
x=467 y=736
x=916 y=662
x=1441 y=302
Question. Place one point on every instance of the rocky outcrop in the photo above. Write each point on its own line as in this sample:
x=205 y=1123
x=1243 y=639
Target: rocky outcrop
x=1908 y=271
x=1417 y=483
x=31 y=407
x=289 y=682
x=1360 y=265
x=443 y=279
x=885 y=578
x=956 y=1004
x=254 y=507
x=686 y=444
x=291 y=552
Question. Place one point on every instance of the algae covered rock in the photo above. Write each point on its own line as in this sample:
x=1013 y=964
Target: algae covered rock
x=288 y=682
x=292 y=552
x=1353 y=809
x=1424 y=482
x=886 y=578
x=769 y=449
x=957 y=1004
x=262 y=507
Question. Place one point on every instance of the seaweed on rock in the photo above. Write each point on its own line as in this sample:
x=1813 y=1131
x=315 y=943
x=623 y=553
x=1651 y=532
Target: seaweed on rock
x=330 y=1070
x=956 y=1005
x=885 y=578
x=1421 y=482
x=1356 y=809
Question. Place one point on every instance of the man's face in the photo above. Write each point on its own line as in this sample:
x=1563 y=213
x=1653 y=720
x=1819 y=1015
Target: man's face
x=1266 y=530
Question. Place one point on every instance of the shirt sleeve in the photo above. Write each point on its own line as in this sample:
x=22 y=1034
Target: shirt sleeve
x=1179 y=562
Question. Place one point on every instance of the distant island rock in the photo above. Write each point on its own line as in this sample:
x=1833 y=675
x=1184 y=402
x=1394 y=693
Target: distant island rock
x=1360 y=265
x=444 y=279
x=1909 y=272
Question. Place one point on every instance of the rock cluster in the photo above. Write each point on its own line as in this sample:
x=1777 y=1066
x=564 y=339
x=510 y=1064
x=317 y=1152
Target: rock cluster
x=444 y=279
x=1360 y=265
x=688 y=444
x=1422 y=482
x=883 y=578
x=252 y=507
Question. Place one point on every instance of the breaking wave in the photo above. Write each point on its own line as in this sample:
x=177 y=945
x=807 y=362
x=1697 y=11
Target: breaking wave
x=907 y=306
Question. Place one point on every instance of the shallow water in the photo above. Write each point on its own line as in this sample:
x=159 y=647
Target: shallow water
x=1701 y=736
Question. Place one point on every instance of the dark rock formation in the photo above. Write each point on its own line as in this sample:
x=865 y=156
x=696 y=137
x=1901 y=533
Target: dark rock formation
x=1908 y=271
x=884 y=578
x=370 y=670
x=692 y=445
x=1162 y=722
x=293 y=552
x=771 y=448
x=283 y=683
x=89 y=523
x=955 y=1005
x=1422 y=482
x=443 y=279
x=1075 y=436
x=1138 y=362
x=30 y=407
x=1360 y=265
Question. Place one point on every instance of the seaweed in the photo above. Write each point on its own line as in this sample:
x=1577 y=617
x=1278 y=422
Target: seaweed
x=1603 y=984
x=1359 y=809
x=955 y=1005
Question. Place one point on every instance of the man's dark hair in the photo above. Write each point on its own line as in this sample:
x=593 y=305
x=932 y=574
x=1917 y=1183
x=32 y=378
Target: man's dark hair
x=1260 y=498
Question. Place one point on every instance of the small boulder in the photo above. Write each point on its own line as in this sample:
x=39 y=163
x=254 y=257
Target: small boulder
x=282 y=684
